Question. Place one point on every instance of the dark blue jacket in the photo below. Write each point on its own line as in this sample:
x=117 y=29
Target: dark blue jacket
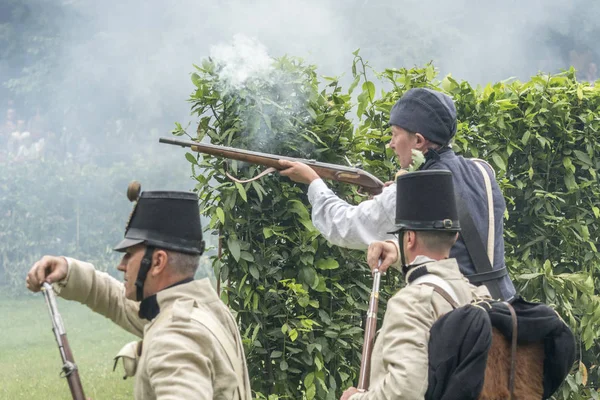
x=470 y=187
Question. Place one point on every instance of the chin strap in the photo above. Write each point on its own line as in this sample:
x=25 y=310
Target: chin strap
x=401 y=248
x=143 y=272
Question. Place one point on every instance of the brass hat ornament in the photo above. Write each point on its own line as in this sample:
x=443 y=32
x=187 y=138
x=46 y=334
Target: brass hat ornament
x=133 y=191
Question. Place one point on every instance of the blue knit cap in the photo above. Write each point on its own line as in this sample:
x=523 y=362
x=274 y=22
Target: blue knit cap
x=430 y=113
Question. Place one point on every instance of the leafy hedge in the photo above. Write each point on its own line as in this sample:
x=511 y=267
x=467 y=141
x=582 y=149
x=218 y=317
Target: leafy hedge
x=301 y=301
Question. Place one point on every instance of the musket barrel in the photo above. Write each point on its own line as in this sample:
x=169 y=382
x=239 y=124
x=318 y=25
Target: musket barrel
x=370 y=330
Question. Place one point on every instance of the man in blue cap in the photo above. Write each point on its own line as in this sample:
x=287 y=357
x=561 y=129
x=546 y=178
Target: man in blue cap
x=425 y=120
x=192 y=348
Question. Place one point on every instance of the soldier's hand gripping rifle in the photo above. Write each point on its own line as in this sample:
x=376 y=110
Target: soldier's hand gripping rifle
x=370 y=330
x=335 y=172
x=69 y=369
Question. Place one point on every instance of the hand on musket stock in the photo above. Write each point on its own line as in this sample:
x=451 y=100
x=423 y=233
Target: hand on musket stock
x=47 y=270
x=381 y=255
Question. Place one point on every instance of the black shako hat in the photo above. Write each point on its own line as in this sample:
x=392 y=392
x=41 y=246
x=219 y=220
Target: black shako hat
x=425 y=202
x=430 y=113
x=166 y=220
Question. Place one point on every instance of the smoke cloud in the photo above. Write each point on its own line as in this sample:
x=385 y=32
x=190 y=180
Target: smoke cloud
x=105 y=79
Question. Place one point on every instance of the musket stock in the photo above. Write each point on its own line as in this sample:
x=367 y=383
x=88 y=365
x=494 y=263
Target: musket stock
x=69 y=369
x=370 y=330
x=335 y=172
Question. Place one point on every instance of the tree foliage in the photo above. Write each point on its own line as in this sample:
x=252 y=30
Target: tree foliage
x=70 y=207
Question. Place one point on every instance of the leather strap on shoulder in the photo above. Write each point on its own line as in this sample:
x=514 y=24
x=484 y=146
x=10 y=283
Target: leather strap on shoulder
x=442 y=293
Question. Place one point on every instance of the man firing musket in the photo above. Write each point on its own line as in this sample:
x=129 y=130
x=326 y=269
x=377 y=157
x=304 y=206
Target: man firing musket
x=424 y=120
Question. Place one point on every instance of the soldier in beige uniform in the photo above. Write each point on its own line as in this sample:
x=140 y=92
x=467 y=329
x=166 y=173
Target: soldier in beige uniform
x=191 y=345
x=427 y=223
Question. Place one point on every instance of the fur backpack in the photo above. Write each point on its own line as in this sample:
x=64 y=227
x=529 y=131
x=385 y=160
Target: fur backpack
x=498 y=350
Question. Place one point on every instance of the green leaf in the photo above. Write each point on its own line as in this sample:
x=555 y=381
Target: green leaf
x=276 y=353
x=499 y=161
x=311 y=391
x=283 y=365
x=449 y=84
x=570 y=182
x=363 y=102
x=293 y=334
x=299 y=208
x=369 y=88
x=196 y=80
x=241 y=191
x=191 y=158
x=244 y=255
x=525 y=138
x=254 y=271
x=308 y=276
x=327 y=263
x=429 y=73
x=583 y=157
x=354 y=84
x=234 y=248
x=221 y=215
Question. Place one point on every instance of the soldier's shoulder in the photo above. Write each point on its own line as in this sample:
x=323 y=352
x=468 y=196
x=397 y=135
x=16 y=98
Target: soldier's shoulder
x=416 y=295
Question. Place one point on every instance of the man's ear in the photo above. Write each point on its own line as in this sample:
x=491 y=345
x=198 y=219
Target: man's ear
x=421 y=142
x=159 y=262
x=411 y=239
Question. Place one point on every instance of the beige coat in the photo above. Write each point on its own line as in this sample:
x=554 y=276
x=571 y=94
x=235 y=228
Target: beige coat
x=180 y=358
x=399 y=362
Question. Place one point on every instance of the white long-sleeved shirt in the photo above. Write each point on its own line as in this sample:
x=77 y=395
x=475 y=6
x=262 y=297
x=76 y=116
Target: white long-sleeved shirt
x=352 y=226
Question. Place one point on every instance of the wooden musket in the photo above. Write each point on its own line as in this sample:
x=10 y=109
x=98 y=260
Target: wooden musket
x=69 y=369
x=335 y=172
x=370 y=330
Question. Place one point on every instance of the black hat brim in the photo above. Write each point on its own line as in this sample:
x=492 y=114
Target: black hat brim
x=127 y=243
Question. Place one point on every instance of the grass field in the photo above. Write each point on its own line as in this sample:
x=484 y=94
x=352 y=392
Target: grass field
x=29 y=358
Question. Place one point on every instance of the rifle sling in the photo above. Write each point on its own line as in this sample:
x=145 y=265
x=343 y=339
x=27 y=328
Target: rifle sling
x=265 y=172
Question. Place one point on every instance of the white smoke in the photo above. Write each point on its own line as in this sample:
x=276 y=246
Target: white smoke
x=244 y=59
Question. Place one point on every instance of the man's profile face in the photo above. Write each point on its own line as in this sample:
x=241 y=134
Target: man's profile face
x=402 y=143
x=130 y=265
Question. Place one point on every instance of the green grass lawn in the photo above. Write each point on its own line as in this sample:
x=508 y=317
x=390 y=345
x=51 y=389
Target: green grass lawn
x=30 y=362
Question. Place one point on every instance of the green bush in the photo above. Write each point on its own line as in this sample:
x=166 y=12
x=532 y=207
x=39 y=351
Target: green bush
x=301 y=301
